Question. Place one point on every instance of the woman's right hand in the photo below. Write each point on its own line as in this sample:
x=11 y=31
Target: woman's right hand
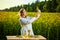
x=38 y=12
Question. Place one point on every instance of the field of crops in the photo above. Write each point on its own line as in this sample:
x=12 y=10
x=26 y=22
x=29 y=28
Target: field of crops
x=47 y=25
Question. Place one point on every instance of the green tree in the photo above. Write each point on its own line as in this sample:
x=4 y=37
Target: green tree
x=47 y=6
x=58 y=1
x=58 y=8
x=54 y=5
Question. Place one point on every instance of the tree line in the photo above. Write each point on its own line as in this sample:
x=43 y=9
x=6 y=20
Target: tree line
x=44 y=6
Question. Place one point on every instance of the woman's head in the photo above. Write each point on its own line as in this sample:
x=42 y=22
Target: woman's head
x=22 y=12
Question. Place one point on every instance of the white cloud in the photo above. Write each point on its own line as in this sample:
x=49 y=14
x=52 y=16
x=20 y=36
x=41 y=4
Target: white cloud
x=10 y=3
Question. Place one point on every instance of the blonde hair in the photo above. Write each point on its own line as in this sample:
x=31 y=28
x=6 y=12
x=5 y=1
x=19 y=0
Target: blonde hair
x=21 y=11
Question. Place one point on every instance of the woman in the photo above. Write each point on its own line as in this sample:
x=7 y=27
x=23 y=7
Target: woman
x=26 y=22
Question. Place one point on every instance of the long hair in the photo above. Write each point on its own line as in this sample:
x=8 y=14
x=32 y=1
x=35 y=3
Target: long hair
x=21 y=11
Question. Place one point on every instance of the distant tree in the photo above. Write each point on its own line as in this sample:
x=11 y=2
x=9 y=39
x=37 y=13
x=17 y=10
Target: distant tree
x=41 y=6
x=33 y=7
x=50 y=6
x=37 y=3
x=47 y=6
x=58 y=1
x=54 y=5
x=17 y=8
x=28 y=7
x=6 y=9
x=58 y=8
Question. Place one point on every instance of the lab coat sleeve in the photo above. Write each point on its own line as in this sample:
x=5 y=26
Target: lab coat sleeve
x=33 y=19
x=25 y=21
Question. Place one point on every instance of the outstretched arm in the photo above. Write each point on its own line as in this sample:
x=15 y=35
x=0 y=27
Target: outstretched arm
x=38 y=13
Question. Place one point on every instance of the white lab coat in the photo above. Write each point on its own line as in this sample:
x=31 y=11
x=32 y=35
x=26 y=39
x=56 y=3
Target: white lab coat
x=26 y=24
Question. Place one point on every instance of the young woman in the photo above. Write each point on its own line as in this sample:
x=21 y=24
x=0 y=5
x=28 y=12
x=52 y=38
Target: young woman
x=26 y=22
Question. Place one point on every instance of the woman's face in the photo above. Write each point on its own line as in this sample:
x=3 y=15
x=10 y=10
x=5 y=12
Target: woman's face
x=24 y=12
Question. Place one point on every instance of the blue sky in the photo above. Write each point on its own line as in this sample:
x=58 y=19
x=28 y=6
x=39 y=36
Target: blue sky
x=10 y=3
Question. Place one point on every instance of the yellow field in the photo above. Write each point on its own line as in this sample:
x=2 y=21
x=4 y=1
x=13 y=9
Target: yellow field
x=47 y=25
x=45 y=17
